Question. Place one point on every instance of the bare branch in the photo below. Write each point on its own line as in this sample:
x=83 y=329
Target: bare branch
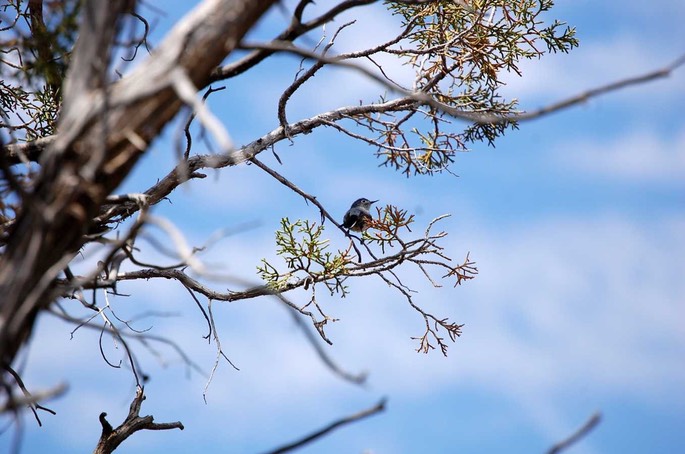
x=29 y=399
x=582 y=431
x=219 y=351
x=189 y=169
x=357 y=379
x=477 y=117
x=187 y=92
x=103 y=131
x=31 y=151
x=379 y=407
x=23 y=153
x=589 y=94
x=143 y=337
x=296 y=29
x=111 y=438
x=32 y=399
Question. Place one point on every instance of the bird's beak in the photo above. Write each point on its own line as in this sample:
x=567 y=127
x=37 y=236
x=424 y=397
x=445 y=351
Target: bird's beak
x=372 y=202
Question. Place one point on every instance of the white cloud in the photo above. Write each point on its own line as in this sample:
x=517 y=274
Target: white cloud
x=556 y=305
x=593 y=64
x=639 y=155
x=559 y=306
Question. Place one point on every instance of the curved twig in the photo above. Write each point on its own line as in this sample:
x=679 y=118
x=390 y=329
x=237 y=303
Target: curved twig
x=582 y=431
x=379 y=407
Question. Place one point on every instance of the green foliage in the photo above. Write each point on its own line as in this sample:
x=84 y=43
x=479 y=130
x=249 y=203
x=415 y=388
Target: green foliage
x=459 y=54
x=34 y=56
x=306 y=257
x=308 y=264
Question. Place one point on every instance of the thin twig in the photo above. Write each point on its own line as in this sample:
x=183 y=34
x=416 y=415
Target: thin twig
x=357 y=379
x=219 y=351
x=476 y=117
x=587 y=95
x=582 y=431
x=379 y=407
x=324 y=213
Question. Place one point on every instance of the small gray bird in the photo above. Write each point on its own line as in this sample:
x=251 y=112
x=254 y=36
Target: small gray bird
x=358 y=217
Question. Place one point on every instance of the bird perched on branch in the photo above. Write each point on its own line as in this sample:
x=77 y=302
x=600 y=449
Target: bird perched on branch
x=358 y=217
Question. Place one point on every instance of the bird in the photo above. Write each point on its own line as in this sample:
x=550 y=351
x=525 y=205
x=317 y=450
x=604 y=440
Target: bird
x=358 y=217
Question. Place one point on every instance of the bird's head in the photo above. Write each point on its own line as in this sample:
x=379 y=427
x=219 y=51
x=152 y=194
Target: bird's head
x=363 y=203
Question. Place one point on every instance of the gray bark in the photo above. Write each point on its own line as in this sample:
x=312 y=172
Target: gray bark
x=104 y=129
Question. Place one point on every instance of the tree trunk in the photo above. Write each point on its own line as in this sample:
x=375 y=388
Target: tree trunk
x=103 y=130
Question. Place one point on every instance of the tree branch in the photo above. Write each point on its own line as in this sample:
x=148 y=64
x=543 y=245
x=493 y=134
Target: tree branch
x=585 y=96
x=18 y=153
x=357 y=379
x=421 y=97
x=30 y=399
x=111 y=438
x=104 y=129
x=379 y=407
x=189 y=169
x=582 y=431
x=31 y=151
x=296 y=29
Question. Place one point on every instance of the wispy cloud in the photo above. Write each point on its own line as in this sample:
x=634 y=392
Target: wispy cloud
x=638 y=156
x=559 y=305
x=595 y=63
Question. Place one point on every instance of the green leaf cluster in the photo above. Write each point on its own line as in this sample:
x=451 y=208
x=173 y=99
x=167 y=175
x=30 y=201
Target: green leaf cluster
x=306 y=257
x=460 y=51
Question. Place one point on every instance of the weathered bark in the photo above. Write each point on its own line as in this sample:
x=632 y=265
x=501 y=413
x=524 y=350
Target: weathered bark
x=111 y=438
x=103 y=130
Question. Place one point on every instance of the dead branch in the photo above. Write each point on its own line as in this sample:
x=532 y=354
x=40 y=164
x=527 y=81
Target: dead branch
x=104 y=129
x=585 y=96
x=23 y=153
x=421 y=97
x=296 y=29
x=111 y=438
x=219 y=351
x=579 y=434
x=31 y=151
x=357 y=379
x=30 y=399
x=194 y=164
x=143 y=338
x=379 y=407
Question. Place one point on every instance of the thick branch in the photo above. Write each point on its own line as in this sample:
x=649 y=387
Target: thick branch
x=103 y=131
x=18 y=153
x=296 y=29
x=188 y=169
x=111 y=438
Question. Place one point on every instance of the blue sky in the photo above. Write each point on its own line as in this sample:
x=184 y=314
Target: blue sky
x=576 y=223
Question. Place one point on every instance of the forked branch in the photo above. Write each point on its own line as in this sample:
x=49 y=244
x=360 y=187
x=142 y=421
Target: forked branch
x=111 y=437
